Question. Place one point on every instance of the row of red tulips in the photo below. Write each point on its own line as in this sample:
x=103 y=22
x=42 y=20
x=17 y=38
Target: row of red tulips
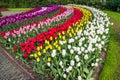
x=51 y=34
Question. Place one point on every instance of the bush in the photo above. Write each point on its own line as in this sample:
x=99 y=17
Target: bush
x=109 y=4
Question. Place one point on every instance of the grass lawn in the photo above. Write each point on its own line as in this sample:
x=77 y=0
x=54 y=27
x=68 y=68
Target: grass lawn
x=19 y=9
x=111 y=69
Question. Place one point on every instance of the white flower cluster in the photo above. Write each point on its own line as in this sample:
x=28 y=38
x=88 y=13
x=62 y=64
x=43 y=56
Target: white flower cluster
x=93 y=38
x=83 y=49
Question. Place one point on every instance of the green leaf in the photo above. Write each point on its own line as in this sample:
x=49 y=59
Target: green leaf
x=90 y=74
x=90 y=79
x=86 y=70
x=83 y=75
x=59 y=71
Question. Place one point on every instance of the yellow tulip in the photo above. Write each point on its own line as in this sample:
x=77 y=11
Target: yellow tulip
x=41 y=47
x=50 y=47
x=63 y=32
x=60 y=36
x=74 y=34
x=68 y=31
x=46 y=41
x=38 y=59
x=38 y=48
x=44 y=50
x=56 y=46
x=65 y=41
x=59 y=33
x=49 y=59
x=70 y=35
x=31 y=55
x=51 y=38
x=35 y=55
x=54 y=43
x=39 y=53
x=59 y=48
x=63 y=37
x=76 y=30
x=70 y=27
x=47 y=47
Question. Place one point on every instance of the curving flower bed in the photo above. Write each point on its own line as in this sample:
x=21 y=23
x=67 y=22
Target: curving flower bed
x=66 y=46
x=38 y=11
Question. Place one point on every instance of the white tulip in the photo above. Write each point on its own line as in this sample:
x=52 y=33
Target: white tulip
x=53 y=53
x=77 y=59
x=96 y=64
x=86 y=57
x=64 y=75
x=97 y=60
x=92 y=64
x=9 y=39
x=48 y=64
x=76 y=56
x=78 y=64
x=72 y=62
x=69 y=46
x=79 y=52
x=79 y=78
x=63 y=52
x=67 y=70
x=60 y=63
x=71 y=51
x=70 y=68
x=76 y=37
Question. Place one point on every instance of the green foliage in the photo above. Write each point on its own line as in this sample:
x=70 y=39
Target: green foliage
x=113 y=5
x=109 y=4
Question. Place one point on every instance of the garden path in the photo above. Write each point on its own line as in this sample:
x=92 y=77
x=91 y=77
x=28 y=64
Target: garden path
x=8 y=70
x=7 y=13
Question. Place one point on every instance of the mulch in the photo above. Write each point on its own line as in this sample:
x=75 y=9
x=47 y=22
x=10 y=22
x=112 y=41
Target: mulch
x=100 y=66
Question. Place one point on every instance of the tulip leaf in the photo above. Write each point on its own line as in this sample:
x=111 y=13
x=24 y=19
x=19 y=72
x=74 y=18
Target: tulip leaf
x=86 y=70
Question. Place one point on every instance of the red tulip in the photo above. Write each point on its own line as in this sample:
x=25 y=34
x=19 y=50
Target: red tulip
x=25 y=55
x=15 y=48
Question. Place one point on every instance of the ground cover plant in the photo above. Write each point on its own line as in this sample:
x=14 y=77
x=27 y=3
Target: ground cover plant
x=66 y=45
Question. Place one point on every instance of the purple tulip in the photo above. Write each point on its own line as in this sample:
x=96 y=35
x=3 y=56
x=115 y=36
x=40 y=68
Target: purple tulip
x=38 y=11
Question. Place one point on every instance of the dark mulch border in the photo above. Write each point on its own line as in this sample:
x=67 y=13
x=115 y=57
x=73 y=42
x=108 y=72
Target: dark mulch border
x=100 y=66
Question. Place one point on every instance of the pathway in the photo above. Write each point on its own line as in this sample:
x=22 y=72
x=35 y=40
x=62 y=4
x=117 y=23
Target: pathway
x=7 y=13
x=8 y=70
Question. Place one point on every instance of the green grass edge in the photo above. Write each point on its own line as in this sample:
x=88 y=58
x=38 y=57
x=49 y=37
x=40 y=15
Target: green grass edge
x=19 y=9
x=111 y=70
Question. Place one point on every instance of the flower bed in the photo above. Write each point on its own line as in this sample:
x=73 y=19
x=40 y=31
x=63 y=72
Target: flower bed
x=38 y=11
x=30 y=21
x=67 y=47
